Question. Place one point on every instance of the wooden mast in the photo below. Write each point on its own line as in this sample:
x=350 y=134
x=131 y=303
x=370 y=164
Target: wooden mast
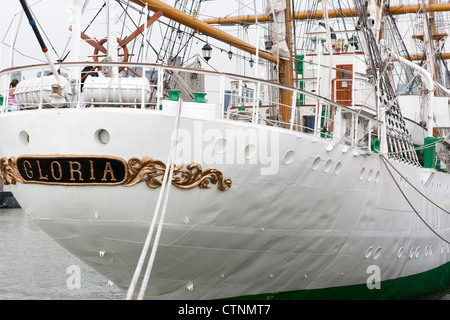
x=286 y=69
x=319 y=14
x=203 y=27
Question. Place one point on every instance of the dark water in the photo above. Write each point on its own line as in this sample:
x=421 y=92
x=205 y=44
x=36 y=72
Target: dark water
x=34 y=267
x=442 y=295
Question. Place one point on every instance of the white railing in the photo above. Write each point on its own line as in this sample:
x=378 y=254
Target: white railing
x=236 y=98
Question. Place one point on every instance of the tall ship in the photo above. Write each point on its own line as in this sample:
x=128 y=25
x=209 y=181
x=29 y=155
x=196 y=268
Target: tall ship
x=281 y=150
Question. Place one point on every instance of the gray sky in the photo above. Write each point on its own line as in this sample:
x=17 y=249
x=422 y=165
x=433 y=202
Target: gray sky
x=26 y=42
x=54 y=17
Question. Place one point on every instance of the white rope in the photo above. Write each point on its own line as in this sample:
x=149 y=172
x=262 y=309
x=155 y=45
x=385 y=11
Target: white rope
x=384 y=161
x=163 y=213
x=144 y=251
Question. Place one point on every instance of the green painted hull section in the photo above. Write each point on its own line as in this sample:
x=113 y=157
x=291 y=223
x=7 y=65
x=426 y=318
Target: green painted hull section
x=410 y=287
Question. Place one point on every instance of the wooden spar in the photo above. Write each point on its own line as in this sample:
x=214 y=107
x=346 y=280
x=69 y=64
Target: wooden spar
x=92 y=42
x=198 y=25
x=203 y=27
x=418 y=57
x=141 y=29
x=286 y=69
x=319 y=14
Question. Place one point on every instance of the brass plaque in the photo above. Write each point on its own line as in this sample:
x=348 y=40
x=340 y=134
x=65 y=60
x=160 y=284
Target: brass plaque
x=72 y=170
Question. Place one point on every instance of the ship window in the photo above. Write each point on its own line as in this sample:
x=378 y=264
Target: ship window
x=308 y=123
x=24 y=137
x=102 y=136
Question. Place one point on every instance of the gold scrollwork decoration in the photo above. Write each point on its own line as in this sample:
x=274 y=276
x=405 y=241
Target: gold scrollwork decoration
x=146 y=170
x=106 y=170
x=151 y=171
x=8 y=171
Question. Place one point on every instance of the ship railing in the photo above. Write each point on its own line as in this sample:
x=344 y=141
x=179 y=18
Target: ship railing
x=356 y=92
x=233 y=97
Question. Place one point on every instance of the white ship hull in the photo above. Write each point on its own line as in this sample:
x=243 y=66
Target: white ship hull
x=319 y=220
x=305 y=185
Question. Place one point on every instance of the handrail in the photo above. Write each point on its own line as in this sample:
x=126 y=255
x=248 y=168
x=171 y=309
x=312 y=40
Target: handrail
x=333 y=125
x=321 y=99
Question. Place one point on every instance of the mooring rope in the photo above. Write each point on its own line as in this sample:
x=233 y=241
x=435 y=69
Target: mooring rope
x=434 y=203
x=161 y=221
x=167 y=177
x=384 y=160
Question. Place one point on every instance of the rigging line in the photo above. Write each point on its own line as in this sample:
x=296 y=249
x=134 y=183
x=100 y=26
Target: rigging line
x=84 y=31
x=24 y=55
x=125 y=11
x=20 y=12
x=95 y=17
x=410 y=204
x=42 y=29
x=184 y=45
x=167 y=24
x=169 y=170
x=136 y=25
x=143 y=33
x=171 y=163
x=7 y=31
x=425 y=146
x=431 y=201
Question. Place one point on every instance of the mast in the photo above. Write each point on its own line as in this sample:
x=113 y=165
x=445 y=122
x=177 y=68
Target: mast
x=319 y=14
x=203 y=27
x=112 y=34
x=41 y=42
x=286 y=70
x=76 y=34
x=429 y=29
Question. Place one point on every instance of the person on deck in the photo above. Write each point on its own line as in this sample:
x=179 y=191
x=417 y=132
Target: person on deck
x=12 y=98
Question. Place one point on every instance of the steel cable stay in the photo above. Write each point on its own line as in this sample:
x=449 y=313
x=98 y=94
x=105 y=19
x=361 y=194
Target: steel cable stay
x=168 y=174
x=384 y=160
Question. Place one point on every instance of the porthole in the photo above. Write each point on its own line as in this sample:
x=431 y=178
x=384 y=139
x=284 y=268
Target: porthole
x=328 y=165
x=24 y=137
x=316 y=163
x=362 y=173
x=102 y=136
x=337 y=168
x=249 y=151
x=400 y=253
x=289 y=157
x=220 y=146
x=377 y=253
x=377 y=177
x=370 y=175
x=368 y=252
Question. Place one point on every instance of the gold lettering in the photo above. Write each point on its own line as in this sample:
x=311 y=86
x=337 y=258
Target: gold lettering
x=53 y=170
x=108 y=169
x=72 y=170
x=40 y=172
x=92 y=170
x=28 y=171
